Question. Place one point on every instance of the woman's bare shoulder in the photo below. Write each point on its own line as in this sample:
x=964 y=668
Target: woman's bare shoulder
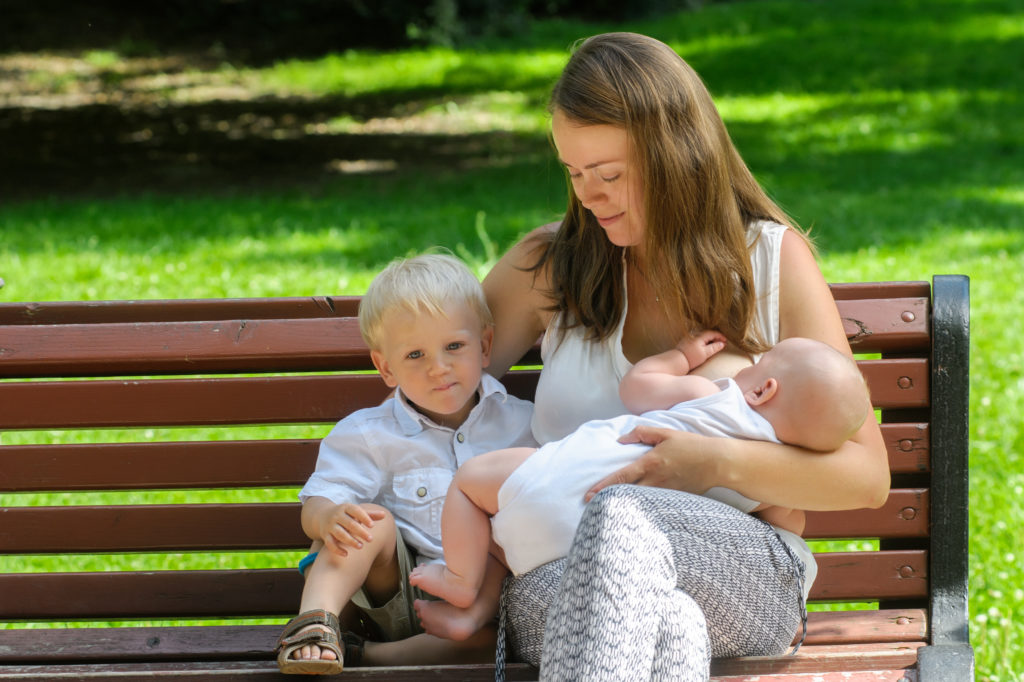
x=518 y=294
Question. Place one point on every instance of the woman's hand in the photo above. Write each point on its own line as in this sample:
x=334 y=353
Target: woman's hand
x=678 y=460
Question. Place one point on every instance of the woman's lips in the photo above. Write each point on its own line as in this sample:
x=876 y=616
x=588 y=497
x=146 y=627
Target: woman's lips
x=605 y=222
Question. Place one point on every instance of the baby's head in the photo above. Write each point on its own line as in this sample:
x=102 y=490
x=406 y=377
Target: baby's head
x=813 y=395
x=429 y=330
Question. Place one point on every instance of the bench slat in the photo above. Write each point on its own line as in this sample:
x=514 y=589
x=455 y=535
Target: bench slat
x=177 y=310
x=250 y=642
x=846 y=291
x=199 y=402
x=234 y=346
x=188 y=310
x=904 y=515
x=275 y=525
x=133 y=466
x=304 y=344
x=864 y=576
x=908 y=446
x=897 y=383
x=253 y=671
x=119 y=595
x=262 y=400
x=183 y=402
x=853 y=657
x=899 y=674
x=148 y=528
x=885 y=325
x=871 y=576
x=242 y=464
x=257 y=671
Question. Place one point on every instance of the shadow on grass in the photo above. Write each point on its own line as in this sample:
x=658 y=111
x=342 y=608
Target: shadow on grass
x=934 y=127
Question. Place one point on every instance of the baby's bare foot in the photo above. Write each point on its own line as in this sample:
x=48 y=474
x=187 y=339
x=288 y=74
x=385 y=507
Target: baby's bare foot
x=441 y=619
x=440 y=582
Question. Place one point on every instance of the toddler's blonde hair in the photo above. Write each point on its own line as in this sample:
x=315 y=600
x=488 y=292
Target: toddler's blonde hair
x=421 y=284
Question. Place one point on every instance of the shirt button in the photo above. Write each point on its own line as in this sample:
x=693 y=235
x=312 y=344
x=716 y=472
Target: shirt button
x=421 y=491
x=460 y=437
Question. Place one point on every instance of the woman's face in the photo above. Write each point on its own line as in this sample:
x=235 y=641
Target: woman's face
x=597 y=158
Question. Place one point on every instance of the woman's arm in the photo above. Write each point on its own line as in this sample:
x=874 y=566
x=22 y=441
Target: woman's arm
x=856 y=475
x=517 y=298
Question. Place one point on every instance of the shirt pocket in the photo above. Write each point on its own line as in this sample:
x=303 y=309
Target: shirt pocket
x=419 y=497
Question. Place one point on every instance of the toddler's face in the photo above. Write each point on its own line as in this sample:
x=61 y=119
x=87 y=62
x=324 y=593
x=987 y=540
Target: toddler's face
x=437 y=361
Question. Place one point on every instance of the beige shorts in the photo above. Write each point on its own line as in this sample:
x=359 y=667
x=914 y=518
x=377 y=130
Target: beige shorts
x=395 y=618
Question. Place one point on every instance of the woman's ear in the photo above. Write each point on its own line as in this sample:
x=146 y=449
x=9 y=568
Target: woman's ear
x=382 y=366
x=762 y=393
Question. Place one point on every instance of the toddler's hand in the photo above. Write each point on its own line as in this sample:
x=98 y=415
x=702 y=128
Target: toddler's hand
x=348 y=526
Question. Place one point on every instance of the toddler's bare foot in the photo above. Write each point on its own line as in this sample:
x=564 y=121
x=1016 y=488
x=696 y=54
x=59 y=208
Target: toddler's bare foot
x=440 y=582
x=441 y=619
x=311 y=652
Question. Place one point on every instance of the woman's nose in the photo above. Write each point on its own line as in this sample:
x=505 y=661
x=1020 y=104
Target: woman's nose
x=590 y=193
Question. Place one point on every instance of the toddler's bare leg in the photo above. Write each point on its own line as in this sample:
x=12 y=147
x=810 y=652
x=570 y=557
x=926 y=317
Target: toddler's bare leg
x=332 y=579
x=466 y=528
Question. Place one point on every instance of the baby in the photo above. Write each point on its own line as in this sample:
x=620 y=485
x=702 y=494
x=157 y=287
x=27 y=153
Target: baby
x=801 y=392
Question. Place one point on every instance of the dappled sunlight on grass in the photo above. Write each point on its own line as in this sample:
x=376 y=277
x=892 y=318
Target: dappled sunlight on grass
x=453 y=71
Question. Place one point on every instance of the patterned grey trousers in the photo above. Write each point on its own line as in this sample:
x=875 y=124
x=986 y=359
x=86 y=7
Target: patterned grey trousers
x=656 y=584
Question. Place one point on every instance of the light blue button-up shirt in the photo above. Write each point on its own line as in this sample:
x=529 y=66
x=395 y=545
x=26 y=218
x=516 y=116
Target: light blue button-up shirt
x=396 y=457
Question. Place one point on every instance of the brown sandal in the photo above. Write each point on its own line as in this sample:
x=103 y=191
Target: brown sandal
x=289 y=642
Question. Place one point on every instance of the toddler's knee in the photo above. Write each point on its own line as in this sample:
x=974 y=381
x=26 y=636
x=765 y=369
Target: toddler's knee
x=378 y=513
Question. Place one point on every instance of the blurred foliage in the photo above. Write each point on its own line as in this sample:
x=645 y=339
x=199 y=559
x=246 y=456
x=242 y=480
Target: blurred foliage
x=259 y=30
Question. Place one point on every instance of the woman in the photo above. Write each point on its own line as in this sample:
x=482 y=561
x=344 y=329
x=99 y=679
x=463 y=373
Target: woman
x=666 y=232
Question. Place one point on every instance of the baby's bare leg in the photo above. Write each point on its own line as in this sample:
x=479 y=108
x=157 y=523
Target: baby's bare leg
x=466 y=527
x=441 y=619
x=792 y=520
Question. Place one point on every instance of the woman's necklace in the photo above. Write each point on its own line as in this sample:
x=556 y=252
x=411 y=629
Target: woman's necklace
x=632 y=261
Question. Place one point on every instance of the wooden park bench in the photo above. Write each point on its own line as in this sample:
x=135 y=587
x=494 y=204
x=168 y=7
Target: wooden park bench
x=203 y=363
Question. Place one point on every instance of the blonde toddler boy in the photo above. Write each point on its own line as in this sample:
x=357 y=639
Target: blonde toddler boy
x=373 y=505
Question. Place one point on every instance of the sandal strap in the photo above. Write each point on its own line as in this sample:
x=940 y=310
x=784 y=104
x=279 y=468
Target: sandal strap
x=311 y=617
x=321 y=638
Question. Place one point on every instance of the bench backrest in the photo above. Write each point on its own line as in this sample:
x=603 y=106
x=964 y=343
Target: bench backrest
x=145 y=365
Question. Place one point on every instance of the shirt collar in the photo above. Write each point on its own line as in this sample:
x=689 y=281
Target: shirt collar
x=412 y=421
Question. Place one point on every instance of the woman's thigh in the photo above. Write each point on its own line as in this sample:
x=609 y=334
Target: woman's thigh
x=734 y=566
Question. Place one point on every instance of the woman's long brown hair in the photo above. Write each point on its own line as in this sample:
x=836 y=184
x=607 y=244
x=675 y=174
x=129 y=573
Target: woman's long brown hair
x=699 y=195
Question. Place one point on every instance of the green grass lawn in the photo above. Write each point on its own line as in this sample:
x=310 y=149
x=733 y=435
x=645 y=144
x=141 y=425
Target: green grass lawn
x=891 y=128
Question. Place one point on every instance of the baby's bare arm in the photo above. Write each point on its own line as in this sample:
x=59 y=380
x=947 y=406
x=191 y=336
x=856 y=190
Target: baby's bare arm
x=660 y=381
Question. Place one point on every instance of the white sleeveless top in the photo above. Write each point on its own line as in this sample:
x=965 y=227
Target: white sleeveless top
x=581 y=378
